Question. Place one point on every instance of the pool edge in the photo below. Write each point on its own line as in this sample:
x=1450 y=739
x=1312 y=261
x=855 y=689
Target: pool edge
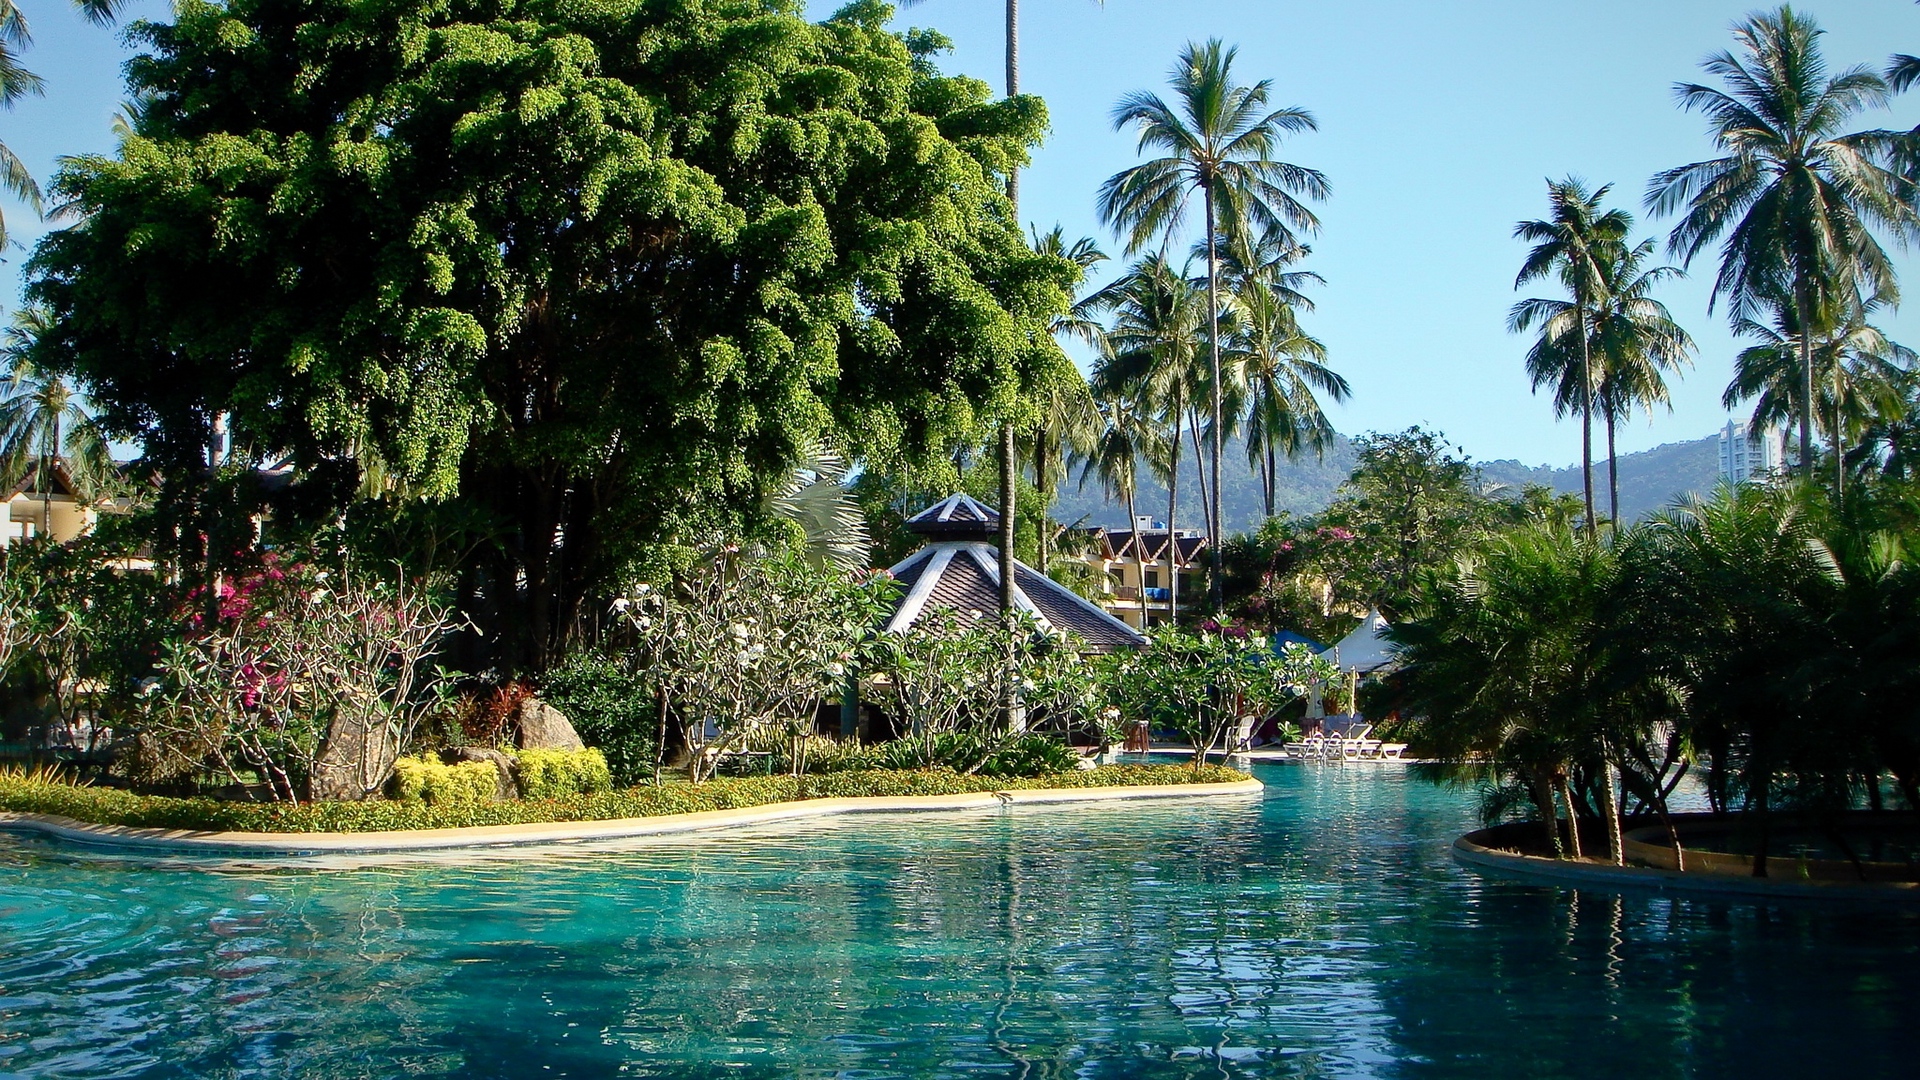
x=294 y=845
x=1565 y=872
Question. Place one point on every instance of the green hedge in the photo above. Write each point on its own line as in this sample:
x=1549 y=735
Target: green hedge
x=430 y=780
x=557 y=774
x=109 y=806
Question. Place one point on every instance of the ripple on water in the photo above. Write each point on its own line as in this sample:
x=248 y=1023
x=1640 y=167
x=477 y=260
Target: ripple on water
x=1322 y=931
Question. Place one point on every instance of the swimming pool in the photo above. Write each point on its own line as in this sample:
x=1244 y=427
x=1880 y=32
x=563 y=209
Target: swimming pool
x=1320 y=930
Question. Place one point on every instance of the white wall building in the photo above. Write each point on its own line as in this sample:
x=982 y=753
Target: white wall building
x=1747 y=455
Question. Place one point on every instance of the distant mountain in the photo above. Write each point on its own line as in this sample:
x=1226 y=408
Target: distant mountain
x=1649 y=480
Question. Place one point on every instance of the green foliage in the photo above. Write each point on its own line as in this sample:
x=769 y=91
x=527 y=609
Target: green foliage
x=742 y=644
x=613 y=709
x=602 y=272
x=553 y=774
x=435 y=783
x=1768 y=636
x=24 y=794
x=1200 y=684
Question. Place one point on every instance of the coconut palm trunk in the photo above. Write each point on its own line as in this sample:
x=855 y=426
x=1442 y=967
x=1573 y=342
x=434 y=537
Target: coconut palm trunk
x=1009 y=458
x=1613 y=470
x=1200 y=467
x=1215 y=599
x=46 y=480
x=1806 y=382
x=1586 y=416
x=1173 y=548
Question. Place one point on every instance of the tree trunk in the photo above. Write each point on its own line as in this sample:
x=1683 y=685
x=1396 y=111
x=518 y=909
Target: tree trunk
x=1543 y=804
x=1272 y=477
x=1013 y=89
x=1040 y=455
x=1839 y=463
x=1610 y=806
x=1573 y=816
x=1215 y=599
x=1139 y=554
x=1586 y=430
x=1804 y=295
x=1009 y=467
x=1200 y=467
x=1173 y=548
x=1613 y=474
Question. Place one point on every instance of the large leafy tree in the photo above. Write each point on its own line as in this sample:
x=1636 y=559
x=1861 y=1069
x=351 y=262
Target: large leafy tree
x=1795 y=195
x=601 y=271
x=1217 y=141
x=1008 y=436
x=1574 y=244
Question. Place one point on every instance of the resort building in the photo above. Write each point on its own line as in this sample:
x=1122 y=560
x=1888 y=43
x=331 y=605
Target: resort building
x=1138 y=585
x=959 y=568
x=1748 y=455
x=55 y=512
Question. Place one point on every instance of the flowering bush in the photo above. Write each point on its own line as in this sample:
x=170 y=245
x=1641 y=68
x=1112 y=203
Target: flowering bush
x=312 y=679
x=1202 y=684
x=744 y=645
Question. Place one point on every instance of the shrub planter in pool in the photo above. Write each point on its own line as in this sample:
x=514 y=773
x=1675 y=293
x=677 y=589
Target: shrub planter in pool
x=122 y=819
x=1512 y=849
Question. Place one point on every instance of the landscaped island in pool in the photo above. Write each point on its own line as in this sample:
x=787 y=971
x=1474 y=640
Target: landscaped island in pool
x=1321 y=929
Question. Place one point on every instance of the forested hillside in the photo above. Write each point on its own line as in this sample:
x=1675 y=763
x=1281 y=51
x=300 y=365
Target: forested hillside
x=1648 y=481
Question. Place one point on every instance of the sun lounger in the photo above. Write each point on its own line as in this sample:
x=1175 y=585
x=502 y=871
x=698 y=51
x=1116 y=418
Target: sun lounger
x=1392 y=751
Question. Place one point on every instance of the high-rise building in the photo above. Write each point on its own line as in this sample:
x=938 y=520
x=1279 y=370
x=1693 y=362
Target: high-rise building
x=1750 y=455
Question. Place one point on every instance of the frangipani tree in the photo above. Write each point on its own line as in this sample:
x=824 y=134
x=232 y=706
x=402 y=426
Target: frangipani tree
x=743 y=644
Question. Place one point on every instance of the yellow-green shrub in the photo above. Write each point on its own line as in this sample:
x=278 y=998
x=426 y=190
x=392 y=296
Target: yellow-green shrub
x=552 y=774
x=436 y=783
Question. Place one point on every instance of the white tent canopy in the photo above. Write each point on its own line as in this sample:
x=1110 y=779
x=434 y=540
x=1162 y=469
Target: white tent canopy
x=1365 y=649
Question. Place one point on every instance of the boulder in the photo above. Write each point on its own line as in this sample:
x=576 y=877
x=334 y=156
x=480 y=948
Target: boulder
x=540 y=726
x=505 y=785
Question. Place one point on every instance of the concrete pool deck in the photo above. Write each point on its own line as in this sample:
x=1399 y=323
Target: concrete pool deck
x=295 y=845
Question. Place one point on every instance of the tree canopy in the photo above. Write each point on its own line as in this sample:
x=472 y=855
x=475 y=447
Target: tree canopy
x=599 y=270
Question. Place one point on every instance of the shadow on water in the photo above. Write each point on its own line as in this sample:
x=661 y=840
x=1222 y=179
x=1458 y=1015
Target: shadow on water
x=1322 y=931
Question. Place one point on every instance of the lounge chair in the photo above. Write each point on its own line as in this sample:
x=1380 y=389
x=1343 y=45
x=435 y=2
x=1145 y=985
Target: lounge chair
x=1392 y=751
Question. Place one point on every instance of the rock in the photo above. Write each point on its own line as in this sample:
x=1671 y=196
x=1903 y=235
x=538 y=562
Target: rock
x=540 y=726
x=505 y=785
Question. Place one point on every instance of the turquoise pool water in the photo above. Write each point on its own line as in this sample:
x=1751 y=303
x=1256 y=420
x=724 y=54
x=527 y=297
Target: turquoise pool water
x=1321 y=930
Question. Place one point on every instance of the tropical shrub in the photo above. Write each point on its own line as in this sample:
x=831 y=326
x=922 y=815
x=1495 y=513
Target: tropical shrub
x=432 y=781
x=613 y=707
x=551 y=774
x=1202 y=684
x=312 y=679
x=743 y=644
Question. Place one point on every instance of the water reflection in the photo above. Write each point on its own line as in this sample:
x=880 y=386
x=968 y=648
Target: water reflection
x=1323 y=931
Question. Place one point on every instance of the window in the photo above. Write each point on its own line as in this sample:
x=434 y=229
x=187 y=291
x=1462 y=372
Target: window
x=1151 y=577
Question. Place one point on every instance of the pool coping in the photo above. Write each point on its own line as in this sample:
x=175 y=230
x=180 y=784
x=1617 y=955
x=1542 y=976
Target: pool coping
x=1568 y=872
x=294 y=845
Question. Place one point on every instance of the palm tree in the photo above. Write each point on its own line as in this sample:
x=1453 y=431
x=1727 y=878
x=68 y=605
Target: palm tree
x=1638 y=344
x=1574 y=244
x=1278 y=368
x=1069 y=419
x=17 y=82
x=1857 y=372
x=1127 y=437
x=1151 y=360
x=45 y=426
x=1795 y=197
x=1218 y=143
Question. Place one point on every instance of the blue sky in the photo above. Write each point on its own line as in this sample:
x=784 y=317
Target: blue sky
x=1440 y=121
